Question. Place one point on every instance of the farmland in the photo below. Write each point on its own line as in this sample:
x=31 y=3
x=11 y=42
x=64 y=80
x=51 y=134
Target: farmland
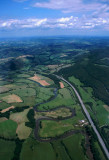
x=91 y=103
x=6 y=149
x=56 y=128
x=40 y=115
x=33 y=149
x=75 y=148
x=8 y=129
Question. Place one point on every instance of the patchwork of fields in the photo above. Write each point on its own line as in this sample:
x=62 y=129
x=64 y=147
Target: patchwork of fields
x=14 y=121
x=40 y=116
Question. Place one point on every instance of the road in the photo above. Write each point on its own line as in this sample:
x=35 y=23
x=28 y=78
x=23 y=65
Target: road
x=88 y=117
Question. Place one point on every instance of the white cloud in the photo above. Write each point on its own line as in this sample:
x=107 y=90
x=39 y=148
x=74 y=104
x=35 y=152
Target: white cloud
x=69 y=5
x=83 y=22
x=61 y=25
x=26 y=23
x=32 y=23
x=9 y=23
x=66 y=19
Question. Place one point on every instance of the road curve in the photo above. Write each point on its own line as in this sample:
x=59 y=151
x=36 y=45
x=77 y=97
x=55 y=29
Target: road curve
x=88 y=116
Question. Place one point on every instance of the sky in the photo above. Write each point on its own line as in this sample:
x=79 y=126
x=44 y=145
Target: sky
x=20 y=18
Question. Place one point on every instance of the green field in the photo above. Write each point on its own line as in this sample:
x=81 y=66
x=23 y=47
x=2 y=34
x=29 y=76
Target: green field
x=25 y=92
x=100 y=151
x=60 y=151
x=64 y=150
x=96 y=107
x=4 y=105
x=74 y=148
x=6 y=149
x=35 y=150
x=53 y=129
x=8 y=129
x=63 y=99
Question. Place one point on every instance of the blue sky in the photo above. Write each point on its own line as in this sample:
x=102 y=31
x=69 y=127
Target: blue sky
x=54 y=17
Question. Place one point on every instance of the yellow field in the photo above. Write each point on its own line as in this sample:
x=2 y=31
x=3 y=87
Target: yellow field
x=106 y=107
x=12 y=99
x=23 y=131
x=39 y=80
x=20 y=117
x=3 y=89
x=9 y=85
x=7 y=109
x=61 y=85
x=24 y=56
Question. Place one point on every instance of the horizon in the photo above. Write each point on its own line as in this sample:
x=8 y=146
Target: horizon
x=56 y=36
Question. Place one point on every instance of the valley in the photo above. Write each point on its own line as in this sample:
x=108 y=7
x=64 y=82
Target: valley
x=40 y=112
